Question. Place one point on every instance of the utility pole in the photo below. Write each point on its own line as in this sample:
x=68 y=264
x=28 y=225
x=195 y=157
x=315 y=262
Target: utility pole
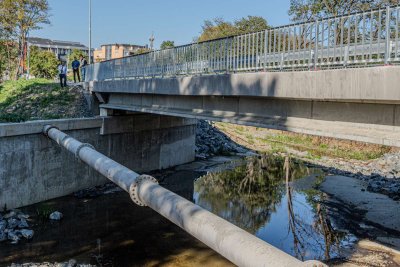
x=28 y=47
x=90 y=31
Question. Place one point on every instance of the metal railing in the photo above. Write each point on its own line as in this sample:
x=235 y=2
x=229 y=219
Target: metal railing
x=358 y=40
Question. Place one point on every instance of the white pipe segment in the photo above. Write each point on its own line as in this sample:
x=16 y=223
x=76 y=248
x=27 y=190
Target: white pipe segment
x=232 y=242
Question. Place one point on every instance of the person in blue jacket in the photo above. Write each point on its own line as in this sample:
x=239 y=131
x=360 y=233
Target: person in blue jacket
x=75 y=69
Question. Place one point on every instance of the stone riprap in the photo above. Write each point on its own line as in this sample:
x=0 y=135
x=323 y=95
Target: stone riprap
x=212 y=142
x=14 y=226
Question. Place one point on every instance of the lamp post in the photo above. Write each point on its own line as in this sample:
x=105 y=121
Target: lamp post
x=28 y=48
x=90 y=31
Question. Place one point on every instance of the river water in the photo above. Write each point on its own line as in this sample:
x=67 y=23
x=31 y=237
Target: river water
x=274 y=198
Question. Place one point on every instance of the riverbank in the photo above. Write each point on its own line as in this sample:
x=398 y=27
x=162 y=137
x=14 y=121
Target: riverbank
x=378 y=166
x=40 y=99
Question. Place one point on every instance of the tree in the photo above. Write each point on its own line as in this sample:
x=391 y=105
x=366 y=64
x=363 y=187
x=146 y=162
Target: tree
x=167 y=44
x=306 y=10
x=219 y=28
x=43 y=64
x=216 y=28
x=19 y=17
x=251 y=24
x=141 y=51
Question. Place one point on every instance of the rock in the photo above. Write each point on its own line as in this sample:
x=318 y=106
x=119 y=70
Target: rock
x=13 y=237
x=56 y=216
x=3 y=236
x=23 y=223
x=72 y=263
x=12 y=223
x=10 y=214
x=3 y=225
x=28 y=234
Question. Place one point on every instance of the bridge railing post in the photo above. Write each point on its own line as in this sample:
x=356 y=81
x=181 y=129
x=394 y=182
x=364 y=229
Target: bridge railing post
x=315 y=63
x=387 y=40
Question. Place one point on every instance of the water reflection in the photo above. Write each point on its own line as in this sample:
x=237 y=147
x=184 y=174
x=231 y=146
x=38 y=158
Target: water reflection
x=261 y=197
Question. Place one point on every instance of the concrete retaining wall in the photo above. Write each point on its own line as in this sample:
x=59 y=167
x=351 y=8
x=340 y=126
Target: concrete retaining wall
x=33 y=168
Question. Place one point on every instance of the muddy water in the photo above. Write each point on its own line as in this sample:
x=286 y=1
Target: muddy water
x=269 y=197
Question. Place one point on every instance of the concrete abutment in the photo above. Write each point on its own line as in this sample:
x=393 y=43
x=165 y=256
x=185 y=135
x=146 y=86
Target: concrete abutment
x=33 y=169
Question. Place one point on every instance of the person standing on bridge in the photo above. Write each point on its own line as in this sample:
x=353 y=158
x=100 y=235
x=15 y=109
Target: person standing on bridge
x=62 y=73
x=75 y=69
x=83 y=67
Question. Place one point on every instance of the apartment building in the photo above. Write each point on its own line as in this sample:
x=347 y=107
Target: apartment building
x=60 y=48
x=111 y=51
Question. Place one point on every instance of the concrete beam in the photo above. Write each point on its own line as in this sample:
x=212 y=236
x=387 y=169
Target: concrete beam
x=373 y=84
x=362 y=132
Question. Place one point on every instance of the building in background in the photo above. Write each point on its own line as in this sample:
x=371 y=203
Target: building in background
x=111 y=51
x=60 y=48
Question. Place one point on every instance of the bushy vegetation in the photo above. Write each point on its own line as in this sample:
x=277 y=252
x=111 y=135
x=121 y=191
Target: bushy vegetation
x=24 y=100
x=219 y=28
x=43 y=64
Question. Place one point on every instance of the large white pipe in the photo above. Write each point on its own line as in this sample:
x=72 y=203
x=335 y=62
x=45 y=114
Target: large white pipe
x=235 y=244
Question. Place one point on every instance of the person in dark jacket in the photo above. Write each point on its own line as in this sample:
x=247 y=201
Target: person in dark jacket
x=83 y=69
x=75 y=69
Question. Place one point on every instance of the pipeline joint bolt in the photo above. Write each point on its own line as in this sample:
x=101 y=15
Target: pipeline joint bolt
x=134 y=188
x=82 y=146
x=47 y=128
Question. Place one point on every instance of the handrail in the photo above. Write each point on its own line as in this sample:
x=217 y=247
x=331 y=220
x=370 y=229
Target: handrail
x=359 y=39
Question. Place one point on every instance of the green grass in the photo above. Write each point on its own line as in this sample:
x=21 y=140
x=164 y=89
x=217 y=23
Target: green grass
x=314 y=147
x=24 y=100
x=316 y=151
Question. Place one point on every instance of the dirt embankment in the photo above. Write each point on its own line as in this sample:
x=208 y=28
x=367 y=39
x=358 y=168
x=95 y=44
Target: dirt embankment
x=39 y=99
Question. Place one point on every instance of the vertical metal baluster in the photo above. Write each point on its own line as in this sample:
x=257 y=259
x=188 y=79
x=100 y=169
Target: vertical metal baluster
x=311 y=62
x=348 y=39
x=379 y=34
x=251 y=45
x=328 y=59
x=302 y=47
x=322 y=42
x=371 y=37
x=397 y=35
x=341 y=40
x=269 y=48
x=256 y=47
x=274 y=49
x=283 y=47
x=363 y=38
x=234 y=56
x=265 y=48
x=387 y=27
x=355 y=39
x=294 y=50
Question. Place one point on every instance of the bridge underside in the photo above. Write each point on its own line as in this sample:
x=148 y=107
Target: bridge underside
x=354 y=104
x=354 y=121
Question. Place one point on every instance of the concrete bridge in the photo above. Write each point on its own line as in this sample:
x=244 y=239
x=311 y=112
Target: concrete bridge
x=336 y=77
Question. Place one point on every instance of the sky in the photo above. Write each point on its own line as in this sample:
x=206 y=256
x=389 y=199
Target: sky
x=133 y=21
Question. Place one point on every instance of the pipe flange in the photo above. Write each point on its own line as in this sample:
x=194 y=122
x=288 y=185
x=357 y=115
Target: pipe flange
x=82 y=146
x=134 y=188
x=47 y=128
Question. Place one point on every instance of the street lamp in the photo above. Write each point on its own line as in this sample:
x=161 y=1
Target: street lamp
x=90 y=31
